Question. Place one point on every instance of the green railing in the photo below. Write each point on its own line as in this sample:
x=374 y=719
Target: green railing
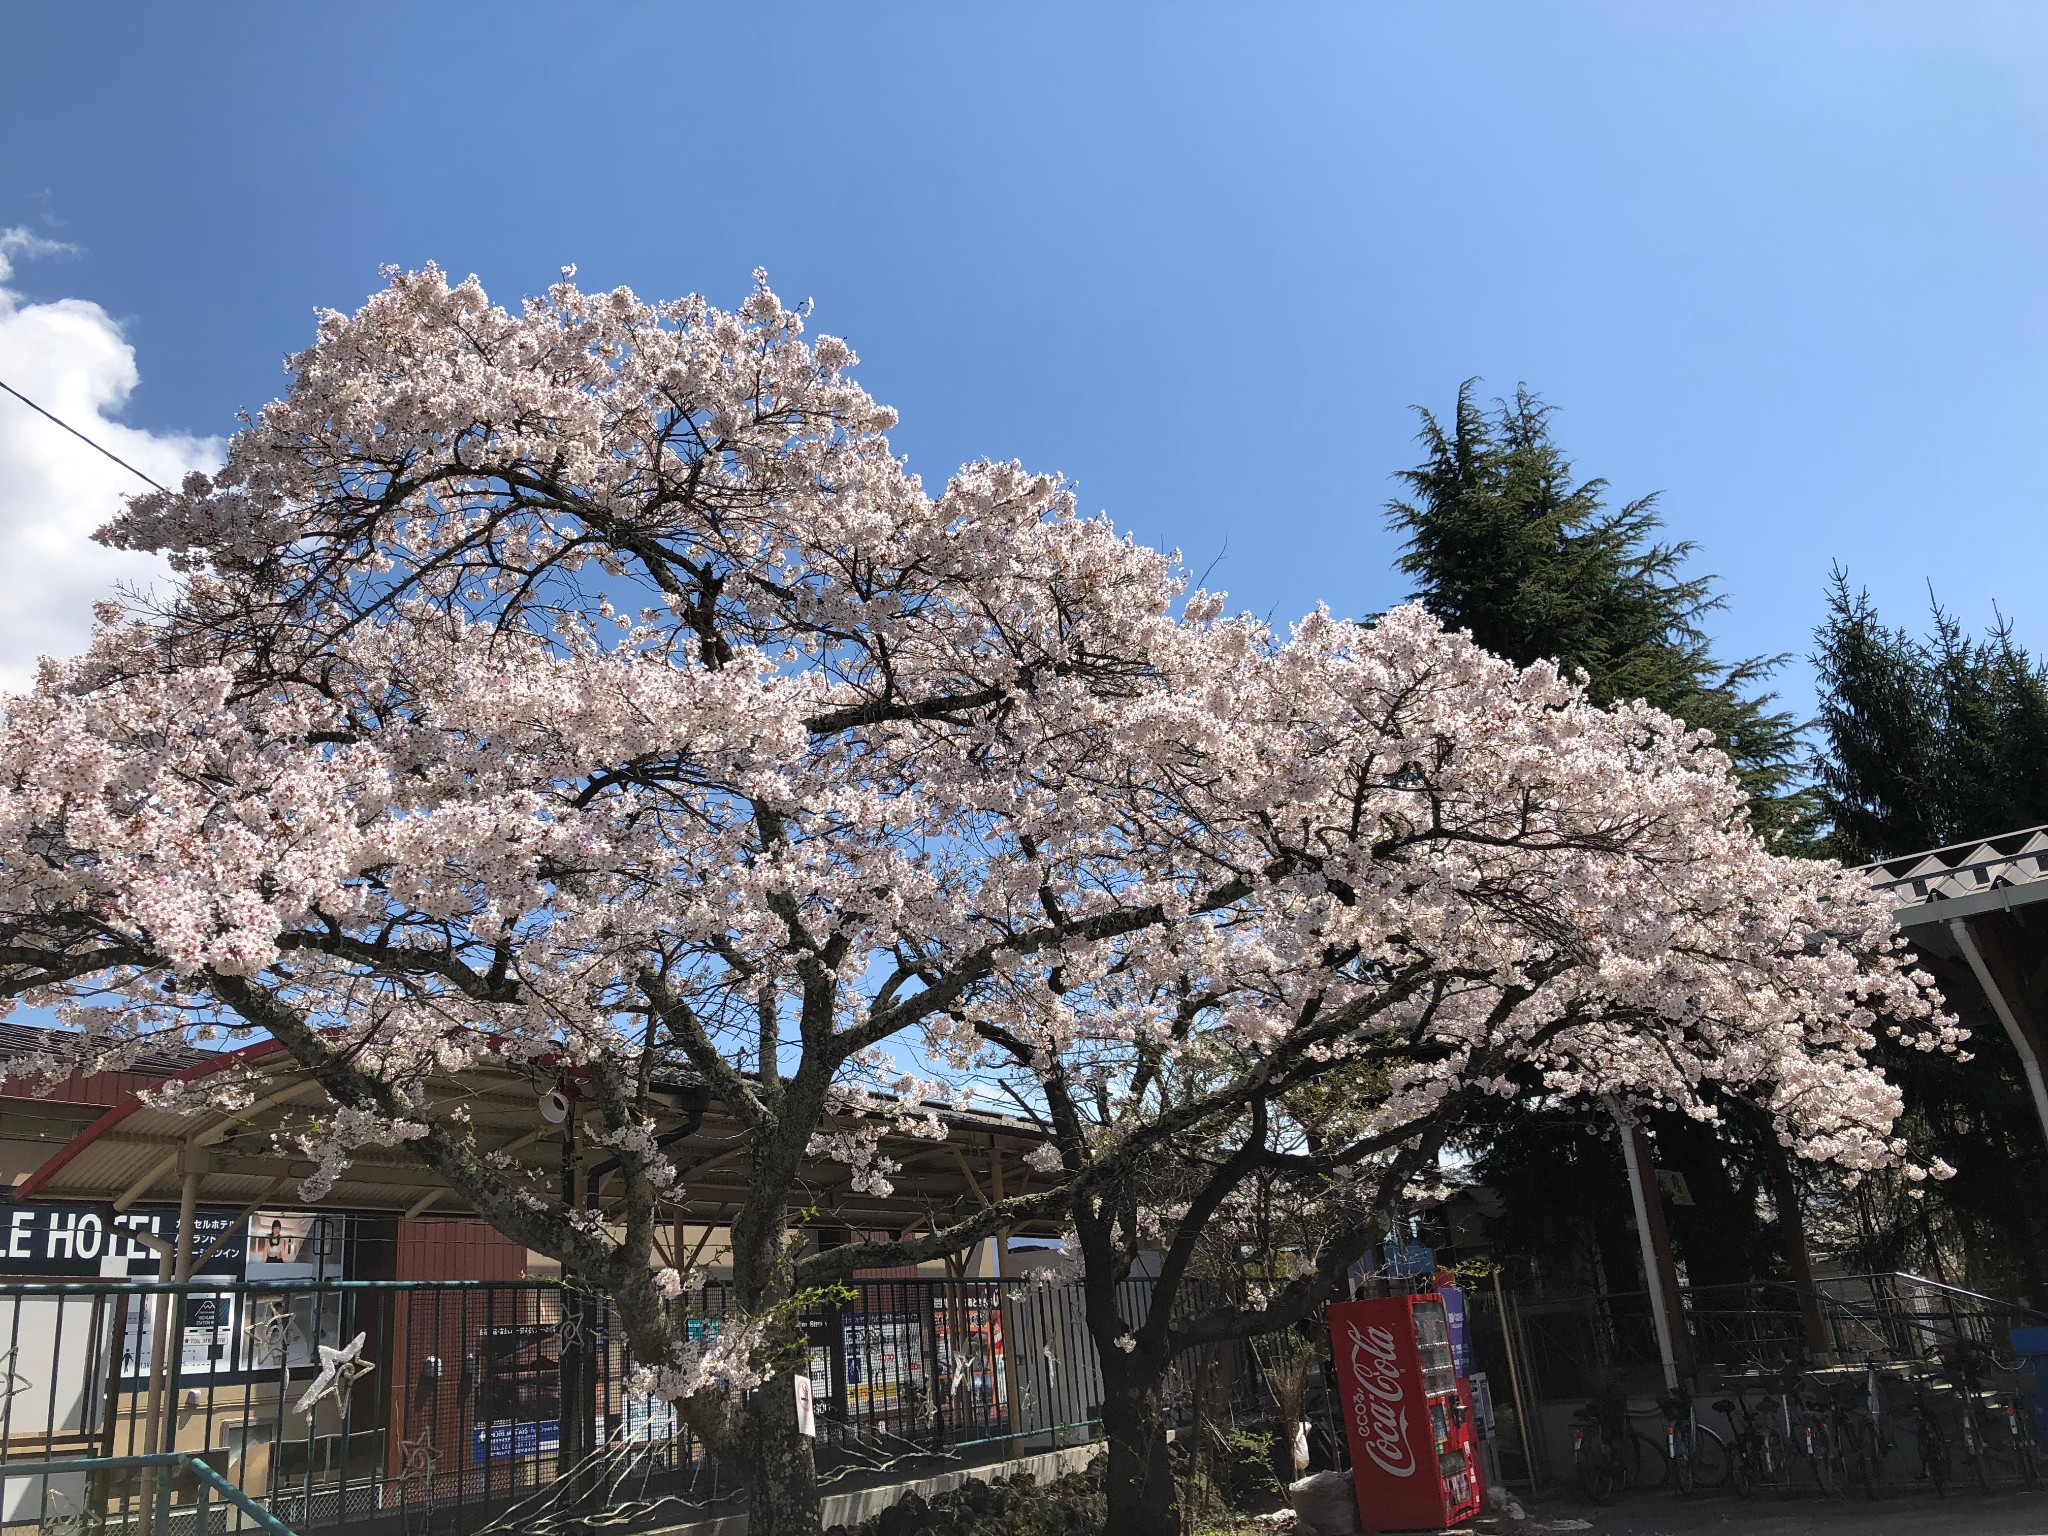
x=208 y=1481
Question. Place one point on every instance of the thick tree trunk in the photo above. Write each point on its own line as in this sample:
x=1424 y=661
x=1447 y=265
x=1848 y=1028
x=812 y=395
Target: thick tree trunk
x=781 y=1471
x=782 y=1474
x=1813 y=1325
x=1139 y=1488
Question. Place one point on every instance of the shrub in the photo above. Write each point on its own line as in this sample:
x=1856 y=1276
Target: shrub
x=1013 y=1506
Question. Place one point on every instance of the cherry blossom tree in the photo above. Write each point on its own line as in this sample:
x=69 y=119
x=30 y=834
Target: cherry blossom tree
x=1491 y=887
x=589 y=685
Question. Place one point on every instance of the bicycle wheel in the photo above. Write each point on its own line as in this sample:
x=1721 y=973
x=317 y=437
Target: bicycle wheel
x=2030 y=1464
x=1825 y=1461
x=1597 y=1472
x=1866 y=1460
x=1645 y=1463
x=1708 y=1461
x=1741 y=1472
x=1934 y=1464
x=1777 y=1461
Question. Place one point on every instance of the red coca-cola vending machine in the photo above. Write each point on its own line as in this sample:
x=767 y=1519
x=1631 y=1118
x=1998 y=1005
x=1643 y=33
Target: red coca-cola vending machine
x=1406 y=1413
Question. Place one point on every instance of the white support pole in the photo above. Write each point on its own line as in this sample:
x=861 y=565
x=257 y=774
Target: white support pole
x=2030 y=1060
x=1653 y=1264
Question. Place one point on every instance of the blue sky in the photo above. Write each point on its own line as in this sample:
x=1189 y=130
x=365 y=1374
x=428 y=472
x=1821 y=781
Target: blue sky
x=1784 y=263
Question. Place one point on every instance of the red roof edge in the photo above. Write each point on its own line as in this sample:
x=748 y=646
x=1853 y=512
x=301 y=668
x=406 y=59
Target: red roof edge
x=27 y=1188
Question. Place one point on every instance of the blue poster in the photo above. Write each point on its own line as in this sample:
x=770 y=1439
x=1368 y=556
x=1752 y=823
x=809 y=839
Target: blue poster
x=501 y=1442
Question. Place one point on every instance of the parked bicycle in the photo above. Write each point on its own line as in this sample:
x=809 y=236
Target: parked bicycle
x=2019 y=1423
x=1970 y=1436
x=1608 y=1456
x=1597 y=1440
x=1930 y=1441
x=1860 y=1427
x=1756 y=1447
x=1694 y=1455
x=1854 y=1450
x=1811 y=1429
x=1800 y=1430
x=1989 y=1428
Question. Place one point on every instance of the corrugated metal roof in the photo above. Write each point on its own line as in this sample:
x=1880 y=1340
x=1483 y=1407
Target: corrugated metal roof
x=2008 y=870
x=18 y=1040
x=135 y=1153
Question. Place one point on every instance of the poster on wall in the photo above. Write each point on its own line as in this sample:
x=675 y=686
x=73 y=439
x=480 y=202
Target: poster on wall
x=884 y=1364
x=293 y=1245
x=286 y=1329
x=221 y=1333
x=207 y=1337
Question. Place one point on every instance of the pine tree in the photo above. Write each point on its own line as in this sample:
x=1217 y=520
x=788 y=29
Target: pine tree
x=1502 y=541
x=1924 y=741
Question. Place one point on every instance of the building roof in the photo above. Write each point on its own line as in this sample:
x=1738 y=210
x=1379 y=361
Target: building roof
x=1987 y=874
x=160 y=1061
x=136 y=1153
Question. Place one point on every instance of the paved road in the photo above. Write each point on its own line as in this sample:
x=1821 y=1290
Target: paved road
x=2017 y=1514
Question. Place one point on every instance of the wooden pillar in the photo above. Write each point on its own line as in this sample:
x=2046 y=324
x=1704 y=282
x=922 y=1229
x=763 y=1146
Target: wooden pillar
x=1006 y=1316
x=173 y=1263
x=1508 y=1343
x=995 y=1189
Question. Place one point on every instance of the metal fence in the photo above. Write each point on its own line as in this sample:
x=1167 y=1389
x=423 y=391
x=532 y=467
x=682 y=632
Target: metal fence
x=467 y=1402
x=1909 y=1317
x=1572 y=1346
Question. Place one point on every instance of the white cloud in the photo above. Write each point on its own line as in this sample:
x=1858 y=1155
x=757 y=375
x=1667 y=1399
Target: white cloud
x=25 y=242
x=70 y=358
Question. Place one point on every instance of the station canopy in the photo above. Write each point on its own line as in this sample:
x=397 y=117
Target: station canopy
x=1977 y=916
x=1991 y=874
x=138 y=1154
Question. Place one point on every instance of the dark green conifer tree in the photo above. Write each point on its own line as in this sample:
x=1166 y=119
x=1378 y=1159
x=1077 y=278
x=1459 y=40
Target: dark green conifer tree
x=1503 y=540
x=1924 y=741
x=1927 y=741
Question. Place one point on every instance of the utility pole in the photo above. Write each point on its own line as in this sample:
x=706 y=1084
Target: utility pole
x=1667 y=1308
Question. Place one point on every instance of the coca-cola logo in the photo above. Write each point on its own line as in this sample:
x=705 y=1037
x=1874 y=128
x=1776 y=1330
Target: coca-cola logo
x=1378 y=1406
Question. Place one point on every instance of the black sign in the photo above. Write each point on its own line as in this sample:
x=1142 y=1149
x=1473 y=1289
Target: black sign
x=80 y=1242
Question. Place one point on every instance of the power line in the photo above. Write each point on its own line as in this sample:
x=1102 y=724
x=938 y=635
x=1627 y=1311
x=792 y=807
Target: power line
x=24 y=399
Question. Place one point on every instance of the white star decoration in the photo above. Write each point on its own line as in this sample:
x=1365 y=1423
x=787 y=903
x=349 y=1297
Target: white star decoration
x=339 y=1369
x=68 y=1523
x=270 y=1331
x=15 y=1382
x=420 y=1456
x=569 y=1330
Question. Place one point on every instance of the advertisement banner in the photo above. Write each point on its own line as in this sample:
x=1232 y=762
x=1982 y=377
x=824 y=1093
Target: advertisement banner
x=81 y=1242
x=501 y=1442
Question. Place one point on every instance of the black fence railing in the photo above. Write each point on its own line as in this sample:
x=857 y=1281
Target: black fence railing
x=456 y=1405
x=1902 y=1338
x=1570 y=1347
